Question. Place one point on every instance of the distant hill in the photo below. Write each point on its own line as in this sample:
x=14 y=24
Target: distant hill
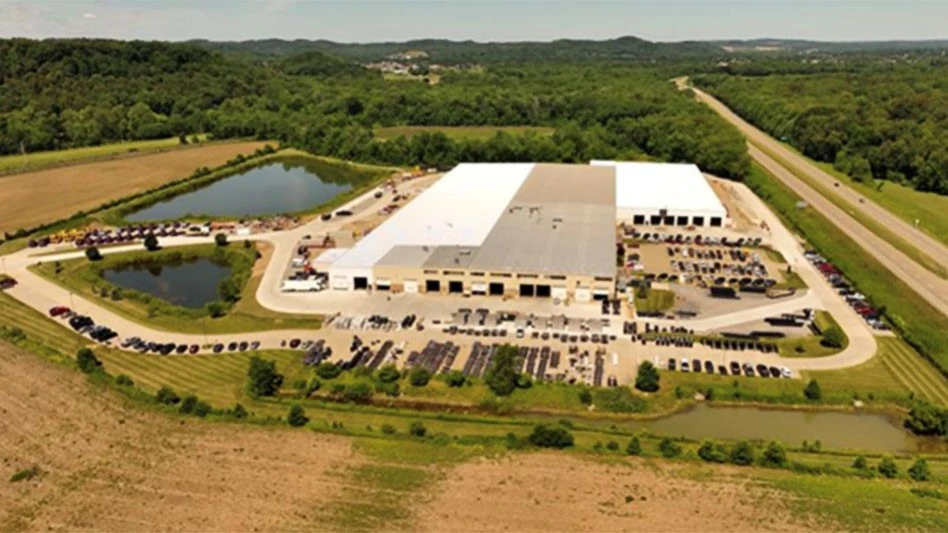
x=457 y=52
x=804 y=46
x=315 y=63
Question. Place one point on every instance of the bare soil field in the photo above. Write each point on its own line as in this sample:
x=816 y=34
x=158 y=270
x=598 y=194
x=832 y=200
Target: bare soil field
x=109 y=466
x=34 y=198
x=553 y=492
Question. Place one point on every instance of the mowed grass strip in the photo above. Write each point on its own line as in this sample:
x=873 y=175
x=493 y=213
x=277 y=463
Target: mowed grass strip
x=913 y=372
x=921 y=324
x=38 y=160
x=459 y=132
x=34 y=198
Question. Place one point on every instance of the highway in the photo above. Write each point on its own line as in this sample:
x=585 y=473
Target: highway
x=924 y=282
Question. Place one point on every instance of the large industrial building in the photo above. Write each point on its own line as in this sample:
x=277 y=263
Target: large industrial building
x=523 y=229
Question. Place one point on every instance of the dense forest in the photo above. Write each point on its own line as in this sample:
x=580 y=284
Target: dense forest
x=65 y=93
x=872 y=120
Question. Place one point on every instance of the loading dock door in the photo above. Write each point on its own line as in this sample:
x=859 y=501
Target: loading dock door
x=383 y=284
x=455 y=286
x=600 y=294
x=360 y=283
x=496 y=289
x=432 y=285
x=411 y=286
x=479 y=289
x=559 y=293
x=582 y=295
x=527 y=289
x=543 y=291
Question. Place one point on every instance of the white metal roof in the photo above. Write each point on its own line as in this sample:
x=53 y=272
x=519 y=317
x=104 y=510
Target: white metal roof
x=677 y=187
x=459 y=209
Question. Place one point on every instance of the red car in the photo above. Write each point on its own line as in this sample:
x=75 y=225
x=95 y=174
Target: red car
x=58 y=311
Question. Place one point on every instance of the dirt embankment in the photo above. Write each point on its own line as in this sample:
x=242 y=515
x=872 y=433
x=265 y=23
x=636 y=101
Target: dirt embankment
x=109 y=466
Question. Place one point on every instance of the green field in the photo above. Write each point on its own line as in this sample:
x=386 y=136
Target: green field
x=39 y=160
x=459 y=132
x=929 y=207
x=920 y=324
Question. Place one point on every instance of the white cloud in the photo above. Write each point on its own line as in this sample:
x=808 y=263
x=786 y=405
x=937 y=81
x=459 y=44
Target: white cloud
x=89 y=16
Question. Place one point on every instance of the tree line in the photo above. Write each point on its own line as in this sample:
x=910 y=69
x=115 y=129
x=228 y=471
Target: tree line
x=61 y=93
x=875 y=121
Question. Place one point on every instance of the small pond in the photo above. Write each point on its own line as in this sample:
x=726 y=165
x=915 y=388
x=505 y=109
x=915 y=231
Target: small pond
x=868 y=432
x=293 y=184
x=185 y=283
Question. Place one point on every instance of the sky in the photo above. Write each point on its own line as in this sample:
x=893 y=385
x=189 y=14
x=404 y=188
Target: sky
x=480 y=20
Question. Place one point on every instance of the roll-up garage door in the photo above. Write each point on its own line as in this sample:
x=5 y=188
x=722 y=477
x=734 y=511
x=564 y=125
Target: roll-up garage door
x=479 y=288
x=583 y=295
x=341 y=282
x=559 y=293
x=411 y=286
x=383 y=284
x=600 y=294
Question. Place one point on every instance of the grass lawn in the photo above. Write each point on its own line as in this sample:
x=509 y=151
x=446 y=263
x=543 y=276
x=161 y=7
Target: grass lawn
x=812 y=346
x=656 y=300
x=919 y=323
x=917 y=255
x=459 y=132
x=81 y=277
x=38 y=160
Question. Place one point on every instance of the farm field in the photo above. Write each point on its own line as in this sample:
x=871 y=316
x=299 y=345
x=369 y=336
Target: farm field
x=459 y=132
x=39 y=160
x=127 y=466
x=34 y=198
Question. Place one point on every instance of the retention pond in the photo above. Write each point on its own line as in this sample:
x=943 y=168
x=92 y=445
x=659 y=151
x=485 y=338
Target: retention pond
x=190 y=283
x=288 y=186
x=870 y=432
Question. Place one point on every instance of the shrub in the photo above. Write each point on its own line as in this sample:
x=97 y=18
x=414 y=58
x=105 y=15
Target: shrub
x=93 y=254
x=927 y=419
x=501 y=375
x=239 y=412
x=524 y=381
x=455 y=378
x=388 y=429
x=26 y=474
x=167 y=396
x=919 y=470
x=859 y=463
x=419 y=376
x=417 y=429
x=263 y=378
x=357 y=393
x=813 y=391
x=215 y=309
x=87 y=361
x=124 y=380
x=313 y=386
x=327 y=370
x=669 y=448
x=220 y=239
x=296 y=417
x=547 y=436
x=742 y=454
x=187 y=404
x=612 y=446
x=151 y=243
x=389 y=389
x=774 y=455
x=585 y=396
x=388 y=374
x=116 y=294
x=247 y=244
x=887 y=467
x=712 y=452
x=647 y=378
x=620 y=400
x=634 y=447
x=833 y=337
